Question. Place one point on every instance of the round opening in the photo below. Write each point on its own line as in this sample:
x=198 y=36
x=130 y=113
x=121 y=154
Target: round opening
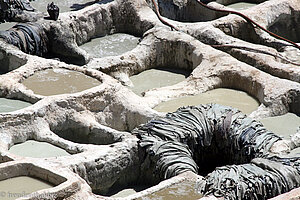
x=224 y=96
x=110 y=45
x=59 y=81
x=156 y=78
x=37 y=149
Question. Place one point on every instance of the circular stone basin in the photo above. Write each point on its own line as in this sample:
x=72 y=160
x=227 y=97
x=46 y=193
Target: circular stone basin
x=156 y=78
x=9 y=105
x=37 y=149
x=284 y=125
x=110 y=45
x=59 y=81
x=241 y=5
x=228 y=97
x=21 y=186
x=7 y=25
x=184 y=190
x=64 y=6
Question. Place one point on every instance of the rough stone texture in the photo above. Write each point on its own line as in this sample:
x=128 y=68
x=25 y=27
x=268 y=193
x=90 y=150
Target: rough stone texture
x=265 y=67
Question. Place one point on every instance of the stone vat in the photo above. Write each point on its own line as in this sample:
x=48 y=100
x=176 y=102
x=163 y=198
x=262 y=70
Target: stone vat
x=106 y=156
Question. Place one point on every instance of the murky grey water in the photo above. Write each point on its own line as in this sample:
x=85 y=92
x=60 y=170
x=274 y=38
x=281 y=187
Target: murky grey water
x=7 y=25
x=59 y=81
x=181 y=191
x=156 y=78
x=283 y=125
x=37 y=149
x=228 y=97
x=241 y=5
x=110 y=45
x=64 y=5
x=295 y=152
x=21 y=186
x=9 y=105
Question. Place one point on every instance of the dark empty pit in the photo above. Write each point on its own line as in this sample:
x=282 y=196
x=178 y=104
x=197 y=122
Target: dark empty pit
x=9 y=105
x=59 y=81
x=224 y=96
x=185 y=190
x=284 y=125
x=75 y=132
x=156 y=78
x=110 y=45
x=37 y=149
x=287 y=25
x=21 y=186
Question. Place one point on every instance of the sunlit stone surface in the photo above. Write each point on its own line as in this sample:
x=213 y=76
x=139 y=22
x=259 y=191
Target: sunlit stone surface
x=9 y=105
x=59 y=81
x=228 y=97
x=37 y=149
x=110 y=45
x=156 y=78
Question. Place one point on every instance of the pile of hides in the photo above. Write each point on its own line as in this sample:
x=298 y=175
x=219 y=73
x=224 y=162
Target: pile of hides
x=28 y=37
x=8 y=8
x=195 y=137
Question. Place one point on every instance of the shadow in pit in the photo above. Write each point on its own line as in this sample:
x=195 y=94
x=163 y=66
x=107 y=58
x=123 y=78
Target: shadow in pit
x=9 y=61
x=80 y=133
x=287 y=26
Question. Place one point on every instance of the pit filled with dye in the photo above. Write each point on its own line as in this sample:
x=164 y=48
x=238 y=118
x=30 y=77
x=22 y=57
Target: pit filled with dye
x=64 y=6
x=156 y=78
x=184 y=190
x=9 y=105
x=241 y=5
x=21 y=186
x=284 y=125
x=110 y=45
x=59 y=81
x=224 y=96
x=7 y=25
x=37 y=149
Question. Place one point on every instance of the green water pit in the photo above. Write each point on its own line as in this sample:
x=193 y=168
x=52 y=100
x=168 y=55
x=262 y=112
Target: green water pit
x=21 y=186
x=64 y=6
x=284 y=125
x=241 y=5
x=224 y=96
x=10 y=105
x=156 y=78
x=110 y=45
x=36 y=149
